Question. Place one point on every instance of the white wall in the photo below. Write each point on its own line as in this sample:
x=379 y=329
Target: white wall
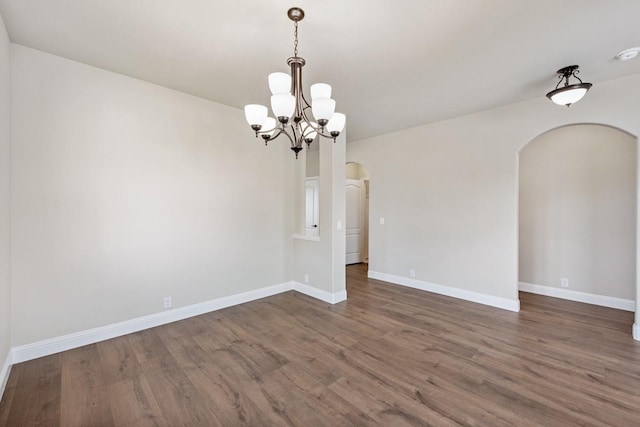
x=578 y=210
x=5 y=225
x=313 y=162
x=448 y=190
x=324 y=260
x=125 y=192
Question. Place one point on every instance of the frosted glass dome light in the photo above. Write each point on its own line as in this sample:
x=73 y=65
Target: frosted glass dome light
x=255 y=115
x=279 y=83
x=320 y=90
x=336 y=123
x=569 y=93
x=283 y=106
x=323 y=109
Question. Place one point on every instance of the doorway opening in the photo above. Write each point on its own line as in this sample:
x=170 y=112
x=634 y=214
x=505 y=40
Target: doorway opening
x=577 y=213
x=357 y=213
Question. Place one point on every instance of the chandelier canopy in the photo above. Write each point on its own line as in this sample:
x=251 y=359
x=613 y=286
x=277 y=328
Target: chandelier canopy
x=290 y=107
x=569 y=93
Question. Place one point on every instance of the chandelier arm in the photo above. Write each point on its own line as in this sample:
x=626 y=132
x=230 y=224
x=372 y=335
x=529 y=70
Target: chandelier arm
x=262 y=132
x=306 y=104
x=272 y=137
x=325 y=136
x=299 y=139
x=283 y=131
x=304 y=117
x=300 y=93
x=299 y=105
x=318 y=129
x=575 y=74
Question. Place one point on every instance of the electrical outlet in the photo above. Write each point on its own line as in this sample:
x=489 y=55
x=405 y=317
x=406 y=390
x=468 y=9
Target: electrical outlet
x=306 y=278
x=564 y=282
x=381 y=220
x=167 y=302
x=412 y=273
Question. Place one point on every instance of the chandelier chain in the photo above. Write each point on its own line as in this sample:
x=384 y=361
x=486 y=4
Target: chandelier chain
x=295 y=34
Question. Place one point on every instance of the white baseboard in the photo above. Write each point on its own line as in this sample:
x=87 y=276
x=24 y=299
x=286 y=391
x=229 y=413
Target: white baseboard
x=311 y=237
x=4 y=372
x=504 y=303
x=605 y=301
x=78 y=339
x=636 y=332
x=331 y=298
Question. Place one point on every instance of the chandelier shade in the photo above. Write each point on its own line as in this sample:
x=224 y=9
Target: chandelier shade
x=255 y=114
x=337 y=122
x=283 y=105
x=279 y=83
x=269 y=126
x=569 y=93
x=291 y=108
x=308 y=130
x=323 y=109
x=320 y=90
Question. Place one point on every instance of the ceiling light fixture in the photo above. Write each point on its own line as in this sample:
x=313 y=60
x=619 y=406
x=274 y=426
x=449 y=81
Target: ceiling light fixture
x=628 y=54
x=569 y=93
x=291 y=108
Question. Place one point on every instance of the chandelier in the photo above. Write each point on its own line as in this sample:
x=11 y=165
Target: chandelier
x=290 y=107
x=568 y=94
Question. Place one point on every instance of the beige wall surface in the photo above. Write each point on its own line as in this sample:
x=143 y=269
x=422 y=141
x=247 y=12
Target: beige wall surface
x=312 y=161
x=125 y=192
x=578 y=210
x=448 y=190
x=356 y=171
x=324 y=260
x=5 y=224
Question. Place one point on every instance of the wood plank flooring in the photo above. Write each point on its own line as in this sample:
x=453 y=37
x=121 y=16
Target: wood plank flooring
x=389 y=356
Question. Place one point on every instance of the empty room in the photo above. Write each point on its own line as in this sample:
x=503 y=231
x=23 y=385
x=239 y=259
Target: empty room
x=228 y=213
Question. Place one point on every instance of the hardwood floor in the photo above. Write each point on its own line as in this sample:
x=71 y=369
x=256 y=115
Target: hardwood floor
x=388 y=356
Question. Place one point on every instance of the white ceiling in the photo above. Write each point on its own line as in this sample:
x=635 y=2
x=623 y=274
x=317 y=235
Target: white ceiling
x=392 y=64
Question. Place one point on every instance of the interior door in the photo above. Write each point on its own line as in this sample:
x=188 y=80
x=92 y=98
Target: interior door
x=355 y=195
x=312 y=208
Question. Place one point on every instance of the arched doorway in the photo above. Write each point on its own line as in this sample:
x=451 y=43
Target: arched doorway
x=577 y=210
